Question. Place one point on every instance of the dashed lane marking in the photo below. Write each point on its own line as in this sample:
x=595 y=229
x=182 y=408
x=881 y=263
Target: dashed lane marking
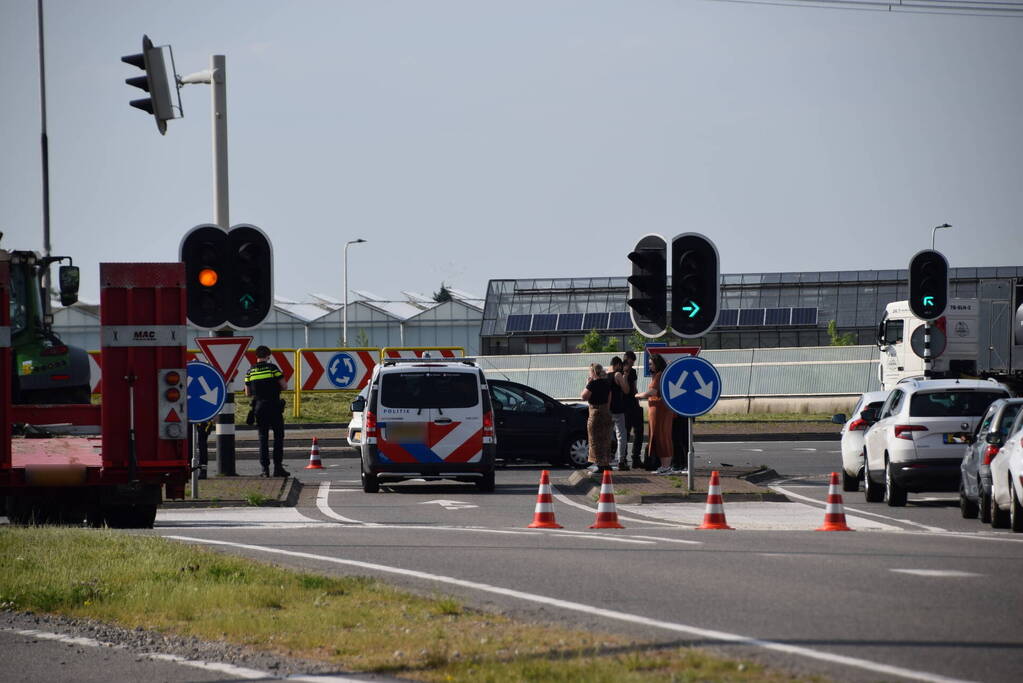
x=600 y=612
x=943 y=573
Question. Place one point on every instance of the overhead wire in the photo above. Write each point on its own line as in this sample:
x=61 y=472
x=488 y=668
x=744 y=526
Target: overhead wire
x=977 y=8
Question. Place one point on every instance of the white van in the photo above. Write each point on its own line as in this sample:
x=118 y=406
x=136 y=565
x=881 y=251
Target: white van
x=956 y=331
x=428 y=419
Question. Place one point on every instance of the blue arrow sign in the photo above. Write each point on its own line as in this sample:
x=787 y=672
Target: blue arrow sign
x=691 y=386
x=206 y=392
x=341 y=370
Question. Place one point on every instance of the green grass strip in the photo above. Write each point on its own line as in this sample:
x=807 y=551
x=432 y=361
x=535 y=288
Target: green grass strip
x=357 y=623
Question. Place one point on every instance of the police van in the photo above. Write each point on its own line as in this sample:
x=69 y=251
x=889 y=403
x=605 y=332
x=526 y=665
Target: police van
x=428 y=418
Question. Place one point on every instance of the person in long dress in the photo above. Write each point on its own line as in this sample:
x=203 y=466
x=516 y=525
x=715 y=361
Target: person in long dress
x=661 y=416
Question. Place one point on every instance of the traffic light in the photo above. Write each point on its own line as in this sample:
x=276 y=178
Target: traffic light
x=205 y=253
x=157 y=82
x=928 y=284
x=252 y=284
x=648 y=286
x=695 y=285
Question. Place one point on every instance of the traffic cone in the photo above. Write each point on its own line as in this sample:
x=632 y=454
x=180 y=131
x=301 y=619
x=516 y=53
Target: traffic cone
x=314 y=457
x=607 y=515
x=834 y=513
x=714 y=516
x=543 y=515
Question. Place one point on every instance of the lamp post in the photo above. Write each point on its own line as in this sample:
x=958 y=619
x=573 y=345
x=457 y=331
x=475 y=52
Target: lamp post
x=344 y=313
x=935 y=230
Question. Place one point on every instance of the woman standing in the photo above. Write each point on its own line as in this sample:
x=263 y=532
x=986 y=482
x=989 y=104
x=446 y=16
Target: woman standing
x=619 y=387
x=598 y=427
x=661 y=416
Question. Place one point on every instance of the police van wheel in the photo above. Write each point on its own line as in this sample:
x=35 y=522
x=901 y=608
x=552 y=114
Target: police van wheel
x=486 y=483
x=370 y=483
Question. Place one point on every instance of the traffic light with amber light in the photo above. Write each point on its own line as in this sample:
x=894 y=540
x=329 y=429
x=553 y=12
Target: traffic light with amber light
x=928 y=284
x=648 y=286
x=158 y=82
x=252 y=285
x=695 y=285
x=206 y=255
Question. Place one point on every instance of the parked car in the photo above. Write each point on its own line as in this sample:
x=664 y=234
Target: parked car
x=917 y=442
x=531 y=425
x=1007 y=480
x=975 y=480
x=428 y=419
x=853 y=429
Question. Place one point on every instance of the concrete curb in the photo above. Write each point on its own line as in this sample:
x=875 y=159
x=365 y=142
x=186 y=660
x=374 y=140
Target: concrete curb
x=291 y=489
x=582 y=483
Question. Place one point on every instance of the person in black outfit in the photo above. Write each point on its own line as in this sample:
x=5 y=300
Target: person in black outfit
x=633 y=410
x=264 y=382
x=598 y=427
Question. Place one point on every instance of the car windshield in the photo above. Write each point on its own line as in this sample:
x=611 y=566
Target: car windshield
x=952 y=403
x=1008 y=417
x=429 y=390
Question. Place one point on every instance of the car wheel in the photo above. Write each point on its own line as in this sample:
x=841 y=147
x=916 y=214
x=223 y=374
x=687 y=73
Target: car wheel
x=967 y=507
x=486 y=483
x=1015 y=511
x=999 y=517
x=871 y=491
x=894 y=495
x=577 y=451
x=984 y=509
x=850 y=483
x=370 y=483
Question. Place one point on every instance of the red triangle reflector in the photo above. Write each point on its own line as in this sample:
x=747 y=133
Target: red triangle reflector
x=172 y=416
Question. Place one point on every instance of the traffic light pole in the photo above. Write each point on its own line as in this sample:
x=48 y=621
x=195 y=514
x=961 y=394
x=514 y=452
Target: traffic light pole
x=927 y=349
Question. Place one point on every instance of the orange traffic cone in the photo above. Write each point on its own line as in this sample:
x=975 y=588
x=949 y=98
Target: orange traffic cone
x=543 y=515
x=607 y=515
x=834 y=513
x=314 y=457
x=714 y=516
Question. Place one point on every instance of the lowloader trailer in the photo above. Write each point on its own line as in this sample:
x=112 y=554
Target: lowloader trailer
x=112 y=463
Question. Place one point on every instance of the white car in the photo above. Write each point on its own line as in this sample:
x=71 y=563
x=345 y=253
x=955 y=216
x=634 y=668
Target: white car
x=918 y=440
x=1007 y=481
x=853 y=429
x=355 y=422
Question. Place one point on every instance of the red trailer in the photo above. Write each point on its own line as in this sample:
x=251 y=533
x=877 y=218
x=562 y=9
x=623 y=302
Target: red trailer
x=119 y=477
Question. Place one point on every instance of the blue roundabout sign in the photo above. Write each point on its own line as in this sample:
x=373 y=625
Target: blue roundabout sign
x=691 y=386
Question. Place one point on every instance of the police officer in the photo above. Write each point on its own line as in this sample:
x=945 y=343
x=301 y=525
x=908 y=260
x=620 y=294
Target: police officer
x=264 y=382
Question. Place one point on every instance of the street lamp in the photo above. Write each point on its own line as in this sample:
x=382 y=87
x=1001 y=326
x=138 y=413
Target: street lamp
x=344 y=313
x=936 y=229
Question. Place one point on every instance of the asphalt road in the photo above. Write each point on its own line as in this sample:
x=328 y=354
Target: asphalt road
x=914 y=593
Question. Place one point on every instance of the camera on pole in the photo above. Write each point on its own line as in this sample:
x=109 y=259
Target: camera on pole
x=163 y=102
x=695 y=285
x=928 y=284
x=648 y=286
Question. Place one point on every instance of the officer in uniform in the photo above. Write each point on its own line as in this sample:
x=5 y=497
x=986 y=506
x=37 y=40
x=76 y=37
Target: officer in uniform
x=264 y=382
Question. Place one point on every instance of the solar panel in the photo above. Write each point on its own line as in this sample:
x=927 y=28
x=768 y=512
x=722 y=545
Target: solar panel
x=778 y=316
x=545 y=322
x=750 y=317
x=620 y=321
x=518 y=323
x=570 y=321
x=729 y=317
x=804 y=316
x=595 y=321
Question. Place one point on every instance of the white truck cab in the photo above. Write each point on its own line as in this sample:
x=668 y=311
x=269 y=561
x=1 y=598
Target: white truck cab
x=958 y=327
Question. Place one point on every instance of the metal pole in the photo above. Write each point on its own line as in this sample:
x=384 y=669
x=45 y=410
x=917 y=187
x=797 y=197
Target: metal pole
x=344 y=313
x=935 y=230
x=45 y=145
x=195 y=461
x=927 y=349
x=221 y=214
x=691 y=458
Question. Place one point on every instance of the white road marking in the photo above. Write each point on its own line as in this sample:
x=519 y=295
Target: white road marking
x=804 y=449
x=548 y=601
x=822 y=503
x=949 y=573
x=754 y=450
x=229 y=669
x=321 y=504
x=450 y=504
x=756 y=516
x=567 y=501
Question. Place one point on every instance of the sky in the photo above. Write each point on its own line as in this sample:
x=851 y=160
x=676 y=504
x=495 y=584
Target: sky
x=475 y=140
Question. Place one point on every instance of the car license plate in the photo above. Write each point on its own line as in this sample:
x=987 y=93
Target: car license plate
x=406 y=433
x=956 y=437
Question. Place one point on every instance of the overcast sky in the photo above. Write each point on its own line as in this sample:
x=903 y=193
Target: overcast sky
x=470 y=140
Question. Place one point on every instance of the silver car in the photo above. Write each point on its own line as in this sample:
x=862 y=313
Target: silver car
x=975 y=481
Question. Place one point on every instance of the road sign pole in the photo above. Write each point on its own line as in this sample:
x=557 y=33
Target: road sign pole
x=195 y=461
x=927 y=349
x=225 y=427
x=691 y=457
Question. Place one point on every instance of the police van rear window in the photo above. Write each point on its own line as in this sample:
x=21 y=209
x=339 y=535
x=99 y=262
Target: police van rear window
x=429 y=390
x=952 y=403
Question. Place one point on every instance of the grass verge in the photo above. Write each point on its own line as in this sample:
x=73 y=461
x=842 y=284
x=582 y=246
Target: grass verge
x=355 y=623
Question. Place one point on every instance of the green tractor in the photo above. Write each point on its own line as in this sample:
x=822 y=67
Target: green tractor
x=46 y=371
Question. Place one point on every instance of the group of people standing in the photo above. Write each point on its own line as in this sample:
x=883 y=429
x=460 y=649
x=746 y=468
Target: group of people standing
x=614 y=402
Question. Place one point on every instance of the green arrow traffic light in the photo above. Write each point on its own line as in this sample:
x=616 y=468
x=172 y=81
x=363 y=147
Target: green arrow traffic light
x=693 y=307
x=928 y=301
